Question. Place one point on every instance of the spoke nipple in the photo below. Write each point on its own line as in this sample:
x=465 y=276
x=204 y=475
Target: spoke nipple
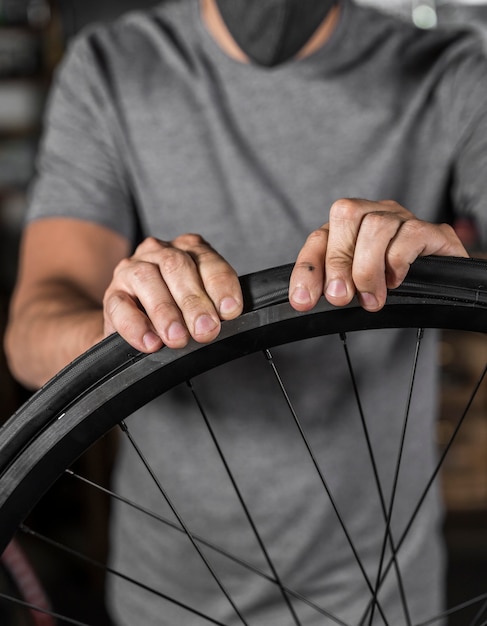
x=123 y=426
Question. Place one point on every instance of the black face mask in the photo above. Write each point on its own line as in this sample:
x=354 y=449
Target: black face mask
x=273 y=31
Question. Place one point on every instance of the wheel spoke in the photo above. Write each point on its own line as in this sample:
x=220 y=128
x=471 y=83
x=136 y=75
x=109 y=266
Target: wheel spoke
x=209 y=544
x=419 y=340
x=113 y=380
x=37 y=609
x=243 y=504
x=442 y=457
x=388 y=538
x=188 y=533
x=101 y=566
x=324 y=483
x=480 y=614
x=455 y=609
x=433 y=477
x=176 y=527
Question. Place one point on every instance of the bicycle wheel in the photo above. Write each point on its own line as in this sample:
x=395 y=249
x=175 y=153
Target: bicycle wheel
x=112 y=381
x=23 y=584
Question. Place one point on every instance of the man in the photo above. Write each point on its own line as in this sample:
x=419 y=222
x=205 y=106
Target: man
x=252 y=124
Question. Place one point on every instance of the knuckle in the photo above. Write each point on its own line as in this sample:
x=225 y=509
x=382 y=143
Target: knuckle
x=394 y=279
x=143 y=272
x=220 y=278
x=204 y=257
x=190 y=302
x=161 y=310
x=149 y=245
x=339 y=262
x=173 y=260
x=125 y=327
x=345 y=209
x=363 y=276
x=374 y=221
x=413 y=228
x=112 y=301
x=318 y=237
x=122 y=266
x=396 y=261
x=204 y=253
x=391 y=206
x=448 y=231
x=189 y=241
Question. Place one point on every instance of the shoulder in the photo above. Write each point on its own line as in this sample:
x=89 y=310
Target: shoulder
x=409 y=50
x=136 y=44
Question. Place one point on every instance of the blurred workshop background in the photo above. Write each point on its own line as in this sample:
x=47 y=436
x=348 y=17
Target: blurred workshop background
x=33 y=37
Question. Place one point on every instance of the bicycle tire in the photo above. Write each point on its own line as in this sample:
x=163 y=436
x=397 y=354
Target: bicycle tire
x=110 y=381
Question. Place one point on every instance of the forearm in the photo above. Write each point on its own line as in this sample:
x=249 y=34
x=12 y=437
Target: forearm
x=55 y=325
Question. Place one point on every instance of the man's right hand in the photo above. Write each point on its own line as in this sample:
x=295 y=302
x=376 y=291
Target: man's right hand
x=167 y=292
x=77 y=284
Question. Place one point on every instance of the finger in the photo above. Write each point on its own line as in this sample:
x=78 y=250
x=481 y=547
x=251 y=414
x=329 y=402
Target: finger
x=377 y=230
x=170 y=289
x=307 y=278
x=164 y=279
x=346 y=217
x=219 y=279
x=417 y=238
x=139 y=306
x=123 y=316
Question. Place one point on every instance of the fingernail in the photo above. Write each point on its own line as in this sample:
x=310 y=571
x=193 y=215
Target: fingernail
x=369 y=301
x=301 y=295
x=176 y=331
x=228 y=306
x=204 y=325
x=151 y=340
x=336 y=288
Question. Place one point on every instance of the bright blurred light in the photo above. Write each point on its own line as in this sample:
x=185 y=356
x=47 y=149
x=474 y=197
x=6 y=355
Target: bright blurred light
x=424 y=16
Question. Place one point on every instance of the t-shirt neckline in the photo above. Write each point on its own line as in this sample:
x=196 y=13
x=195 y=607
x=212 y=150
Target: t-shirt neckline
x=324 y=58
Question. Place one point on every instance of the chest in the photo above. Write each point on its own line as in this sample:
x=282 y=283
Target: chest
x=254 y=168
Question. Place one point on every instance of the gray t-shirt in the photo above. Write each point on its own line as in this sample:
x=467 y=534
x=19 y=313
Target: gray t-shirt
x=152 y=129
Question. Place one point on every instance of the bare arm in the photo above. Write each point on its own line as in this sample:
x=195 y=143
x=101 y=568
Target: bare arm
x=77 y=284
x=56 y=310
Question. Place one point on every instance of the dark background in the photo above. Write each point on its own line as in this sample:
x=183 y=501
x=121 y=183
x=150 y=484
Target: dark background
x=33 y=37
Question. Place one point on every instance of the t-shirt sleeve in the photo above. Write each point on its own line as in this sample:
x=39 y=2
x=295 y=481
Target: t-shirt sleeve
x=468 y=113
x=80 y=169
